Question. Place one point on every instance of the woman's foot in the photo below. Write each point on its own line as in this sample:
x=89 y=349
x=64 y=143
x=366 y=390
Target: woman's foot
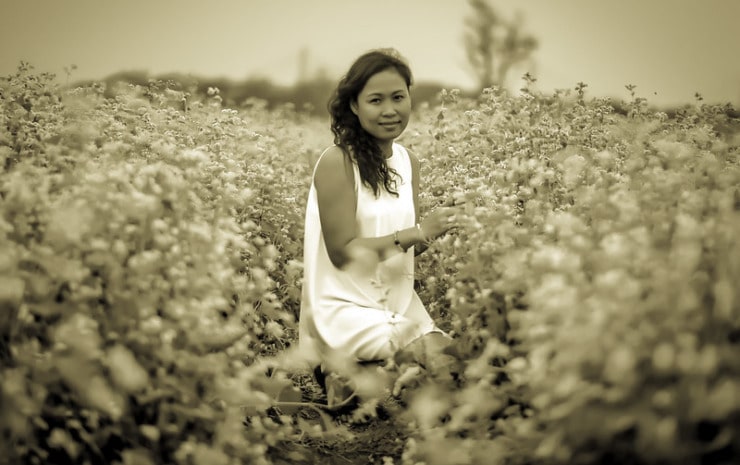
x=340 y=395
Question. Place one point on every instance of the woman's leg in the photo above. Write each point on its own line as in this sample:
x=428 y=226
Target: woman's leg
x=429 y=351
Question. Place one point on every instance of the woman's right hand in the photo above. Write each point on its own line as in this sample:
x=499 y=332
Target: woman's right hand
x=439 y=222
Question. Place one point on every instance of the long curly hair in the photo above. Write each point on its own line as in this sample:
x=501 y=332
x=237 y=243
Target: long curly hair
x=349 y=135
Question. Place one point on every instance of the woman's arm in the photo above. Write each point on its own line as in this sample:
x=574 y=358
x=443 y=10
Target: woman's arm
x=422 y=246
x=334 y=182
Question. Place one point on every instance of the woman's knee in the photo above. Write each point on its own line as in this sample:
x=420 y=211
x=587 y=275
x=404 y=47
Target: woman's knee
x=424 y=348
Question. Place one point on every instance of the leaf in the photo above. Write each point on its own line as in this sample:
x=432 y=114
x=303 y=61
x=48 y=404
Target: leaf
x=723 y=400
x=99 y=395
x=61 y=439
x=496 y=451
x=11 y=290
x=80 y=334
x=125 y=370
x=217 y=340
x=325 y=426
x=150 y=432
x=287 y=400
x=208 y=455
x=138 y=456
x=723 y=299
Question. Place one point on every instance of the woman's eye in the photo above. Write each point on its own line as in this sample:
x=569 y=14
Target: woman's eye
x=375 y=100
x=400 y=97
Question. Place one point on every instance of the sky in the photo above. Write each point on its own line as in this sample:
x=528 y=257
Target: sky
x=669 y=49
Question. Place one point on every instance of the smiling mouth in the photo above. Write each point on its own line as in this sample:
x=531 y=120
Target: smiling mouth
x=390 y=124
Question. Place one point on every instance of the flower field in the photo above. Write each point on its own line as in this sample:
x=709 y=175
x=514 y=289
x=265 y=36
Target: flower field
x=150 y=278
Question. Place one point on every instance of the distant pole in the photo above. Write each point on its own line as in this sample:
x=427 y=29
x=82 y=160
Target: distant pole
x=303 y=65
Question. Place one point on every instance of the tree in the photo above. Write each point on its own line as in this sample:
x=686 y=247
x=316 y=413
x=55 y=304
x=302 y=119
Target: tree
x=494 y=45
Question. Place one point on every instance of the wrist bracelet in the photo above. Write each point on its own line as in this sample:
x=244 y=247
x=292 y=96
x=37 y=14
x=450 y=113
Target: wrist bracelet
x=424 y=239
x=397 y=241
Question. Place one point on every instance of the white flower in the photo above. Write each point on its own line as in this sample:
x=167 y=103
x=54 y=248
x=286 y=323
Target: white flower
x=573 y=168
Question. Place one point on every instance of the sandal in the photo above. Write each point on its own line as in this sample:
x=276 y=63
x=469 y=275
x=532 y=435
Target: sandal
x=340 y=396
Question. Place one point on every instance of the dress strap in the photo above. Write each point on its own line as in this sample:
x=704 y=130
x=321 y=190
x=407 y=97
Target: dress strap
x=316 y=165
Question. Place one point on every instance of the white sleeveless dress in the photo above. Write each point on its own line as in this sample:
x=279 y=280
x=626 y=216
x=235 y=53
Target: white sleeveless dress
x=369 y=311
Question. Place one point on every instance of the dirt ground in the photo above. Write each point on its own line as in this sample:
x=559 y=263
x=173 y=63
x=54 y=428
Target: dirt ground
x=347 y=439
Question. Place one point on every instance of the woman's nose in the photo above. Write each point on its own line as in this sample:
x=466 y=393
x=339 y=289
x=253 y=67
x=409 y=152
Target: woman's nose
x=388 y=109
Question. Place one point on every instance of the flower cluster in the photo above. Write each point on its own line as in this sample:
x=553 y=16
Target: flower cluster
x=592 y=292
x=147 y=259
x=150 y=274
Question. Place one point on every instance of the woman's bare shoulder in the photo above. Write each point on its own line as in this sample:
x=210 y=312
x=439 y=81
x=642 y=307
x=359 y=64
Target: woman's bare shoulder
x=314 y=157
x=333 y=165
x=331 y=157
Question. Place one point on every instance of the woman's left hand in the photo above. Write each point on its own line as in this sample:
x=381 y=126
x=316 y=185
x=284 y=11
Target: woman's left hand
x=440 y=221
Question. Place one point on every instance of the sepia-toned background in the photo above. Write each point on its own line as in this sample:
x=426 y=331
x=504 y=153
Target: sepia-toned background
x=669 y=49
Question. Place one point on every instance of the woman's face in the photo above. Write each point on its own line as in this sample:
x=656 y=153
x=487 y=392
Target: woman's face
x=383 y=106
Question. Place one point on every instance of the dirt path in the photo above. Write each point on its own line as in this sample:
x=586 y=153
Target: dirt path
x=347 y=440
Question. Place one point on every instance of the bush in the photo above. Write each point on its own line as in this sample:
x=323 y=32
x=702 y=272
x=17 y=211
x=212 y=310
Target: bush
x=150 y=278
x=138 y=277
x=592 y=295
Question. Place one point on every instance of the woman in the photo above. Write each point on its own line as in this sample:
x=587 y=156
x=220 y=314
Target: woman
x=363 y=229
